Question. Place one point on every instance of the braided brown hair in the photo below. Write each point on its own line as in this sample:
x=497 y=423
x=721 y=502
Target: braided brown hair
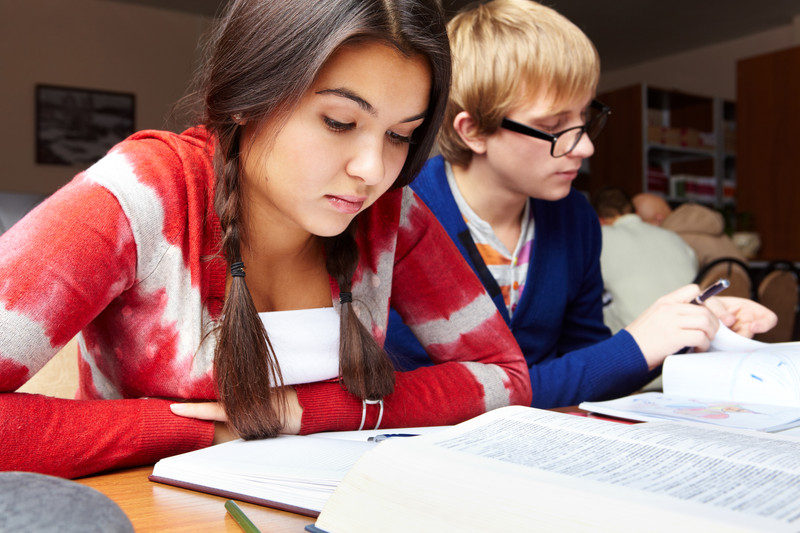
x=264 y=55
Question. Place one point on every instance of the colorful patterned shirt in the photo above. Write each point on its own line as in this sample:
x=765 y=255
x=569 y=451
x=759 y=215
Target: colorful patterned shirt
x=510 y=270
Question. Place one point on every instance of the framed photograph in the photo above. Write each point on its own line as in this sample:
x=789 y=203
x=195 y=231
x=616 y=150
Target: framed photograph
x=78 y=126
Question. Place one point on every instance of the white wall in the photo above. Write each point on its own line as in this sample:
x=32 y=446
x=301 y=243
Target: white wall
x=708 y=71
x=94 y=44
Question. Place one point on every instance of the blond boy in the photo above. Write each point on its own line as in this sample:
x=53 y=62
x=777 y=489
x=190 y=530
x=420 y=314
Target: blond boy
x=517 y=130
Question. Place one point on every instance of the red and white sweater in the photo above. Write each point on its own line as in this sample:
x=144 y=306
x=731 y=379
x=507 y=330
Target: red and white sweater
x=120 y=257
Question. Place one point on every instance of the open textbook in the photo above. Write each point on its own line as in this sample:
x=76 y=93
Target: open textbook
x=290 y=472
x=524 y=469
x=739 y=383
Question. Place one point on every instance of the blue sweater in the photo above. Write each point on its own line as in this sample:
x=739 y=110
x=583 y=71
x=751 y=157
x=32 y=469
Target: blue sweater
x=571 y=355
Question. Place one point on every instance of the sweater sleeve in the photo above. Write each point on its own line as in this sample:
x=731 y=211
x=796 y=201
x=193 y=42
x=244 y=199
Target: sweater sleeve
x=73 y=438
x=62 y=265
x=478 y=364
x=608 y=369
x=582 y=361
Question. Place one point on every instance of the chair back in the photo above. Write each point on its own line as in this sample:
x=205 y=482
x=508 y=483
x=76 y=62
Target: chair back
x=779 y=290
x=735 y=270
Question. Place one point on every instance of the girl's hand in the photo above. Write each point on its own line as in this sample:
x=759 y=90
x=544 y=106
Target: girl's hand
x=742 y=315
x=213 y=411
x=672 y=323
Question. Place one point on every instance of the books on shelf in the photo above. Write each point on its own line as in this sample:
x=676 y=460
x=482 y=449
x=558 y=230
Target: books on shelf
x=743 y=383
x=524 y=469
x=290 y=472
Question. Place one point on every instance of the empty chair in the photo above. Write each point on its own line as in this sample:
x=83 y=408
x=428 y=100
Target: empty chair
x=735 y=270
x=779 y=291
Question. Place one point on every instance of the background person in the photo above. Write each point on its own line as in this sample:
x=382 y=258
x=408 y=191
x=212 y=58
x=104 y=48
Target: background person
x=701 y=227
x=639 y=262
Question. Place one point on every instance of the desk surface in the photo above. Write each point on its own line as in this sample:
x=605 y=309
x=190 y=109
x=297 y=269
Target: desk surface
x=163 y=508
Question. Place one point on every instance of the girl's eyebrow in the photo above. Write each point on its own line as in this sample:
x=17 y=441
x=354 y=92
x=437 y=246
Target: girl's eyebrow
x=363 y=104
x=350 y=95
x=415 y=117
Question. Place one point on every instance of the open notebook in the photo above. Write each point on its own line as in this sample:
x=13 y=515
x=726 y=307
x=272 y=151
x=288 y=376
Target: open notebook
x=290 y=472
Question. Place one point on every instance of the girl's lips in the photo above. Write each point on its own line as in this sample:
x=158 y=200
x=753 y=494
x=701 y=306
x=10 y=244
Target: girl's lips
x=346 y=204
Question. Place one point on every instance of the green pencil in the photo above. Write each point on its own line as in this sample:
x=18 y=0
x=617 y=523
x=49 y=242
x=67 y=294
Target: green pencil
x=241 y=518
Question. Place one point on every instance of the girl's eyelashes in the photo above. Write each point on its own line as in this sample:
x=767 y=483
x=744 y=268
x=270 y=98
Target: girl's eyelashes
x=399 y=139
x=335 y=125
x=338 y=127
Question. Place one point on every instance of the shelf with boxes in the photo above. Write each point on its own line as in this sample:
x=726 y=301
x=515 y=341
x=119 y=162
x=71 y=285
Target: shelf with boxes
x=668 y=142
x=686 y=153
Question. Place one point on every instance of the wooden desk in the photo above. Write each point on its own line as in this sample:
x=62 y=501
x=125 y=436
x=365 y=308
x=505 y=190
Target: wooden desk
x=156 y=507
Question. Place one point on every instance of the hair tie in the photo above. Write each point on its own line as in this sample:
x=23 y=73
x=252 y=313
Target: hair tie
x=345 y=297
x=237 y=269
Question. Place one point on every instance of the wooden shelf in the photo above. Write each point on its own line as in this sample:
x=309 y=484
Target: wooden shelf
x=677 y=154
x=676 y=133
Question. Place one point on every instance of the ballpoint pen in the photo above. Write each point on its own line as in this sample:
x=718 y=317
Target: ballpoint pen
x=384 y=436
x=720 y=285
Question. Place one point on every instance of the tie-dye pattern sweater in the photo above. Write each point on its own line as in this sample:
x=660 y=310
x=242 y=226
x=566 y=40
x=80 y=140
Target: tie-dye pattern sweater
x=120 y=256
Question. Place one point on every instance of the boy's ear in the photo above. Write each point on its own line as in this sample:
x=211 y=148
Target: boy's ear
x=466 y=128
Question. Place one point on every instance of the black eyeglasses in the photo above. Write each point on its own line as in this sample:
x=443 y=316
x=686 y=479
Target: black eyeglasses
x=564 y=142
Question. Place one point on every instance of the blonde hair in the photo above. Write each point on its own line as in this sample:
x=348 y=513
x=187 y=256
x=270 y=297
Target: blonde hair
x=507 y=51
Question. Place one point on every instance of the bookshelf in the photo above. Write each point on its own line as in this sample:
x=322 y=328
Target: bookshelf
x=676 y=144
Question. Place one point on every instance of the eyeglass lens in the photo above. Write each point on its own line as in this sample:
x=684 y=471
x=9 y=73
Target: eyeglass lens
x=569 y=139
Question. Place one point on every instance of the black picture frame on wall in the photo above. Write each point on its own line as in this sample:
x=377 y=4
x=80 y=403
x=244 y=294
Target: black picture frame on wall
x=77 y=126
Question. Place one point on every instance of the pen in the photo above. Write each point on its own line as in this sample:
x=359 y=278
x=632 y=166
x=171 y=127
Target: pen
x=384 y=436
x=241 y=518
x=720 y=285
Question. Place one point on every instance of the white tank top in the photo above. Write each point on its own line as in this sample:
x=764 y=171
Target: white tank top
x=306 y=343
